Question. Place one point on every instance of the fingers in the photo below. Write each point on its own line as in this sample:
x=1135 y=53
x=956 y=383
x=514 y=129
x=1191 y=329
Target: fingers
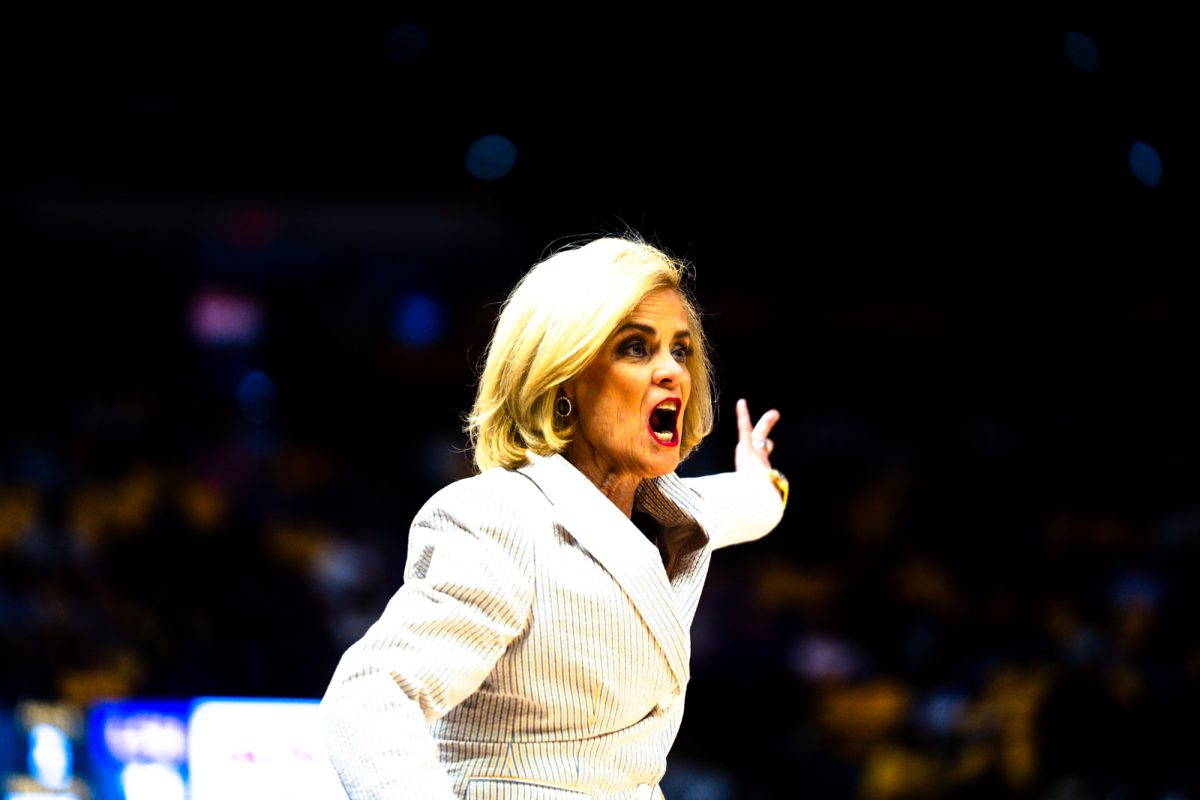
x=763 y=429
x=756 y=436
x=745 y=430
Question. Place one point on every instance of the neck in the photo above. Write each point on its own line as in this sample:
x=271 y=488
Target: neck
x=618 y=487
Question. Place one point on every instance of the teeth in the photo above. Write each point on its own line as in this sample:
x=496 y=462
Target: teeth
x=665 y=436
x=669 y=405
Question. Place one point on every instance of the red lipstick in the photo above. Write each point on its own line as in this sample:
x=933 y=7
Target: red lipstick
x=663 y=423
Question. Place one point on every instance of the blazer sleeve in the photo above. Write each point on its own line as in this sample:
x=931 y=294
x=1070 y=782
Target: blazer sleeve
x=741 y=506
x=467 y=594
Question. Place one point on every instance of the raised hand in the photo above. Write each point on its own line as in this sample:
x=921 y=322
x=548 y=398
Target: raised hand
x=754 y=445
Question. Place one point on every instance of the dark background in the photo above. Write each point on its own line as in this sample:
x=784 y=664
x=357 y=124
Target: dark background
x=918 y=236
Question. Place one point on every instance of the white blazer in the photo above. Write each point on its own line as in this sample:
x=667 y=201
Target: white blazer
x=538 y=649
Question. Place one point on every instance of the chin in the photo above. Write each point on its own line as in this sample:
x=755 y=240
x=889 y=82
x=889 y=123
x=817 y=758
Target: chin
x=663 y=466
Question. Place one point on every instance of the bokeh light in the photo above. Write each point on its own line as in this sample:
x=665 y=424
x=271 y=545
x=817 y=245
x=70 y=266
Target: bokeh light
x=418 y=320
x=224 y=318
x=491 y=157
x=1145 y=164
x=1082 y=52
x=50 y=756
x=152 y=781
x=256 y=396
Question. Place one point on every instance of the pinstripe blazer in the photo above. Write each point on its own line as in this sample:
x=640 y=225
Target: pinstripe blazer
x=538 y=648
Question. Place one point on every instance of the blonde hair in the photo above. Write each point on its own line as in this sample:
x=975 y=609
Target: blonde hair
x=552 y=325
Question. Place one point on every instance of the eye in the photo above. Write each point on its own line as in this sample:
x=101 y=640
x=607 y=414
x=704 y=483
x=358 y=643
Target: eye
x=634 y=347
x=681 y=351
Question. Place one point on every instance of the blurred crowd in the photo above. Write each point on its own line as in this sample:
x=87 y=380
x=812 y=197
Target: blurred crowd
x=935 y=628
x=954 y=606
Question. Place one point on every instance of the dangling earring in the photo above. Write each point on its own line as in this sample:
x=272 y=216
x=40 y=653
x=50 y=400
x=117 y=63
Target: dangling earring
x=562 y=406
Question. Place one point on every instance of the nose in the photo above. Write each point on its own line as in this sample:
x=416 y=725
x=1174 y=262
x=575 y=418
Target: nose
x=668 y=371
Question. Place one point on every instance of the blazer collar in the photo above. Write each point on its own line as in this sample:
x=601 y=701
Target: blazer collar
x=616 y=543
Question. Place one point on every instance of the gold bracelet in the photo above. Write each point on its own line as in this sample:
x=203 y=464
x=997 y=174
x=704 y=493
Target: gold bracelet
x=781 y=484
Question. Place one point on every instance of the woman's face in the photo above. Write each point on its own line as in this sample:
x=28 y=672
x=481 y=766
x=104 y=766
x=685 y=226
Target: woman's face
x=631 y=399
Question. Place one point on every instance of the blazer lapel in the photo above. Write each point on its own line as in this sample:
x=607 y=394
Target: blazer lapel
x=684 y=537
x=616 y=543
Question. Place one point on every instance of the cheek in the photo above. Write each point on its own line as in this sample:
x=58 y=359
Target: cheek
x=686 y=390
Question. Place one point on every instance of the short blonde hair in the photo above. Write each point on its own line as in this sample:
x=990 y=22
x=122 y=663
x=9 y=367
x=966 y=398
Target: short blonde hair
x=555 y=321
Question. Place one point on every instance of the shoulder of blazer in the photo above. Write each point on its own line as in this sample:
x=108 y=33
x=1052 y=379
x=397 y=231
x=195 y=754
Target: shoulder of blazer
x=497 y=484
x=498 y=514
x=494 y=501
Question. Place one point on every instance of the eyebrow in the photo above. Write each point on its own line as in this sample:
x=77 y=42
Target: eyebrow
x=650 y=331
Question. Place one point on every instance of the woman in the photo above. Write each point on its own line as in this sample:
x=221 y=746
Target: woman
x=539 y=645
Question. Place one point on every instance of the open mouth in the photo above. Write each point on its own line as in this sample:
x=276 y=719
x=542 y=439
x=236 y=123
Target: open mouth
x=664 y=422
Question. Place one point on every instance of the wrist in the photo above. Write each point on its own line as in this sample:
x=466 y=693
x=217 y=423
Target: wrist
x=781 y=485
